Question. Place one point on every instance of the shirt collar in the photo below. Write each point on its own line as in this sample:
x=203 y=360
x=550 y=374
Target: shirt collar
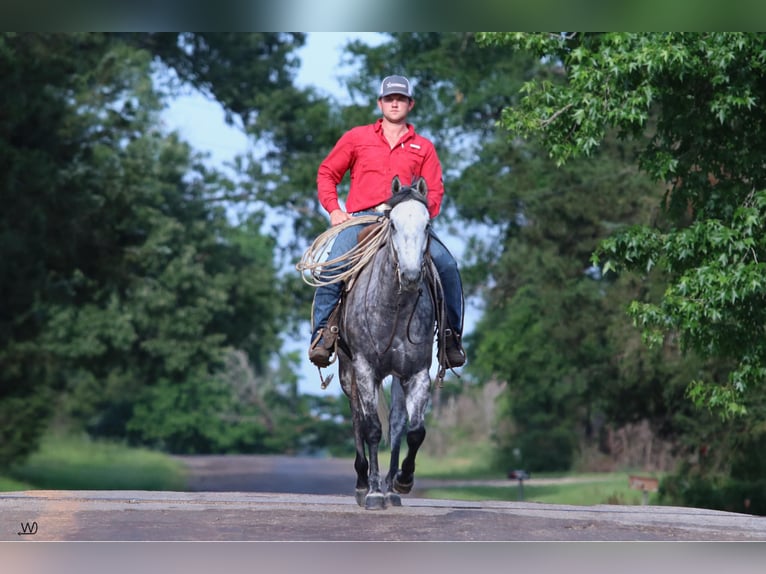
x=378 y=127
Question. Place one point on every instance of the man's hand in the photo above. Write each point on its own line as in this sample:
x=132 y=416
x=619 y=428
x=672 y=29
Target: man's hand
x=338 y=216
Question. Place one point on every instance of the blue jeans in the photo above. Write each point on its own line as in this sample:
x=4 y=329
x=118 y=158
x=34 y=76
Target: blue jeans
x=327 y=296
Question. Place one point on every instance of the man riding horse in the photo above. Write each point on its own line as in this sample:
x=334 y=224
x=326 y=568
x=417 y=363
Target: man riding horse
x=374 y=154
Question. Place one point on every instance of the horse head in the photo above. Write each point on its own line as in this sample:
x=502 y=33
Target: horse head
x=410 y=225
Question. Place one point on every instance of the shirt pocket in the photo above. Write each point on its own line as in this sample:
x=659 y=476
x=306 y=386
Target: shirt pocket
x=369 y=161
x=413 y=160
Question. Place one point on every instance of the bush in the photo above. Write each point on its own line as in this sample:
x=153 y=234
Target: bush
x=538 y=450
x=23 y=420
x=717 y=493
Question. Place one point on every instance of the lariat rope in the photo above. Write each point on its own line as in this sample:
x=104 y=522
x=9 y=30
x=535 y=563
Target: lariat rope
x=348 y=264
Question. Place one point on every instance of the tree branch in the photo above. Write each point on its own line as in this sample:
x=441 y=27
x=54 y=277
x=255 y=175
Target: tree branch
x=545 y=123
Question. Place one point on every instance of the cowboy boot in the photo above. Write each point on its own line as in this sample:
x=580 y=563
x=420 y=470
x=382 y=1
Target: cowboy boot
x=322 y=347
x=454 y=352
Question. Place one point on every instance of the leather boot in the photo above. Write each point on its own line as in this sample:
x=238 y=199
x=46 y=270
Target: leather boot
x=321 y=349
x=454 y=352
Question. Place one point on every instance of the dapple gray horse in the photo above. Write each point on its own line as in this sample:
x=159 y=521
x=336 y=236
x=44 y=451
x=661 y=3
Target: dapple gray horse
x=388 y=329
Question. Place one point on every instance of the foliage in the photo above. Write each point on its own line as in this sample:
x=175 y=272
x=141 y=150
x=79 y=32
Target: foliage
x=718 y=493
x=77 y=463
x=124 y=282
x=694 y=101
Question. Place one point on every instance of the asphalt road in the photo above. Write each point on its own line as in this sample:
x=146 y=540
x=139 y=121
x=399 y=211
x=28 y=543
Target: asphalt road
x=305 y=499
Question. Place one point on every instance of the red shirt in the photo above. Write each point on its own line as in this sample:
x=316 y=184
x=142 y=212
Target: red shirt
x=373 y=164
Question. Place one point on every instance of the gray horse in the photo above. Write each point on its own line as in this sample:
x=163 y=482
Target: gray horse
x=387 y=328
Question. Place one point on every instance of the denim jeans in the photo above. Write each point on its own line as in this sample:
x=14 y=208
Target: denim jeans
x=327 y=296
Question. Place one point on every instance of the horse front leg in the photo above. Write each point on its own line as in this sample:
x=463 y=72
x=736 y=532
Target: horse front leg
x=361 y=466
x=416 y=396
x=363 y=396
x=397 y=423
x=374 y=499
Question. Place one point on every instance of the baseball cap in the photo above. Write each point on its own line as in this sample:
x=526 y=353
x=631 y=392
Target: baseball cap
x=395 y=85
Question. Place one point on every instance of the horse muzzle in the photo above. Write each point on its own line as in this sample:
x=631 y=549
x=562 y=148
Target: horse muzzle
x=410 y=280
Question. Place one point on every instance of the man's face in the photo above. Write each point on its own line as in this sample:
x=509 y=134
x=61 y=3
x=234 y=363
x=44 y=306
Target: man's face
x=395 y=107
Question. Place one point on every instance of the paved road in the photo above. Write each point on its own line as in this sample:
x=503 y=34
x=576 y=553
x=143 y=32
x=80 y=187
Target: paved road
x=163 y=516
x=284 y=499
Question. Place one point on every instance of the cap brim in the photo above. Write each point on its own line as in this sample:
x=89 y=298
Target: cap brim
x=405 y=94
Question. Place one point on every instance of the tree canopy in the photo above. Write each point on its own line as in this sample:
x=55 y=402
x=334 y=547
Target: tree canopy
x=125 y=286
x=694 y=101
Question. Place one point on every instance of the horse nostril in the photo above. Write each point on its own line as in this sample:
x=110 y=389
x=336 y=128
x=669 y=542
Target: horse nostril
x=410 y=280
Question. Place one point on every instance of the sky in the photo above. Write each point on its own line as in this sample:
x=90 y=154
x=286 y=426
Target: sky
x=201 y=123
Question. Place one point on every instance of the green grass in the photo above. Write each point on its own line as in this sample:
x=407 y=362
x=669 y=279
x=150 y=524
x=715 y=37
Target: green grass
x=9 y=485
x=583 y=490
x=473 y=463
x=80 y=464
x=469 y=463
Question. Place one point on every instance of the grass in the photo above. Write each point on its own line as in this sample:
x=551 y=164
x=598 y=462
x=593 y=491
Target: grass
x=66 y=463
x=611 y=488
x=9 y=485
x=473 y=463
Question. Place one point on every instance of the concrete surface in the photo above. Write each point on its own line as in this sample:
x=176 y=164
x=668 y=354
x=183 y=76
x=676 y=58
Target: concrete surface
x=283 y=498
x=229 y=516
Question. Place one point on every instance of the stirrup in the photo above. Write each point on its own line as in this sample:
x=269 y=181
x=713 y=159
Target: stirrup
x=323 y=347
x=452 y=344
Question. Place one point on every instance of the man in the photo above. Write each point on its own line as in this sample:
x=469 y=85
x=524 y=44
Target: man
x=374 y=154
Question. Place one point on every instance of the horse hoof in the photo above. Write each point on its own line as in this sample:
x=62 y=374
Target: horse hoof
x=375 y=501
x=403 y=487
x=360 y=496
x=393 y=499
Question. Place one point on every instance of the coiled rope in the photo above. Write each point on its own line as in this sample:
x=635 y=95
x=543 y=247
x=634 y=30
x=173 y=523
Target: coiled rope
x=311 y=265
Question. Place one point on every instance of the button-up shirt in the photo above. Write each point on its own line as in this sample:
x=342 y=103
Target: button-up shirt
x=373 y=163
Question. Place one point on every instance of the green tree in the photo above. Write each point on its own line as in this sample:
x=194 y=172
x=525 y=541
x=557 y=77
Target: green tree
x=693 y=270
x=49 y=126
x=124 y=282
x=694 y=103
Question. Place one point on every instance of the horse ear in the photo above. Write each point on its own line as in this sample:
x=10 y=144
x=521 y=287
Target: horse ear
x=396 y=185
x=422 y=187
